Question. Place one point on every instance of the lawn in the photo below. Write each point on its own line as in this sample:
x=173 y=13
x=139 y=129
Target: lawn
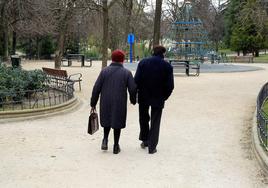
x=262 y=58
x=265 y=108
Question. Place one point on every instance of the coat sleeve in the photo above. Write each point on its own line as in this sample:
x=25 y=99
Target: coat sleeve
x=170 y=82
x=137 y=76
x=132 y=88
x=96 y=90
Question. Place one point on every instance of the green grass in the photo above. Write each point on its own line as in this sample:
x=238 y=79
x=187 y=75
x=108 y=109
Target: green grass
x=262 y=58
x=265 y=108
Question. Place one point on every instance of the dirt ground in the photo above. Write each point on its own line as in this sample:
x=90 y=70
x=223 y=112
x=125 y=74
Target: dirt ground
x=204 y=140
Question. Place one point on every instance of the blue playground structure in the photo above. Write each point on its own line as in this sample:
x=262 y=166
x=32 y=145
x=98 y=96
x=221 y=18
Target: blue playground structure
x=190 y=38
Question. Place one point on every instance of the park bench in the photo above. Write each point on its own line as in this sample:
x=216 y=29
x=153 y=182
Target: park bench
x=62 y=76
x=241 y=59
x=68 y=61
x=187 y=65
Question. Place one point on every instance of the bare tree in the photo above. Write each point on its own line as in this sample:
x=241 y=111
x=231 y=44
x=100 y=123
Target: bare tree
x=173 y=10
x=126 y=17
x=4 y=27
x=157 y=22
x=35 y=22
x=212 y=17
x=68 y=20
x=127 y=11
x=63 y=13
x=105 y=17
x=105 y=6
x=22 y=18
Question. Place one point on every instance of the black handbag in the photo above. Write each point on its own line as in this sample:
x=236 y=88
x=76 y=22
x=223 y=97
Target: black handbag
x=93 y=122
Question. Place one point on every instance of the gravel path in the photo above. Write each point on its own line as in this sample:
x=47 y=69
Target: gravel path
x=204 y=140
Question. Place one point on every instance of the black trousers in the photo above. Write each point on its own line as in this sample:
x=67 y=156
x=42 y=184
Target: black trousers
x=150 y=134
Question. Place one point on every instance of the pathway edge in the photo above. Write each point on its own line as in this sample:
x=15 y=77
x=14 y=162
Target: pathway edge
x=259 y=152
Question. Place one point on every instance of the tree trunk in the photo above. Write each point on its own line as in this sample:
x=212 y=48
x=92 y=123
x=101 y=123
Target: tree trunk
x=14 y=42
x=60 y=49
x=128 y=12
x=4 y=25
x=257 y=54
x=150 y=44
x=5 y=38
x=157 y=22
x=38 y=47
x=5 y=44
x=61 y=38
x=30 y=53
x=105 y=32
x=216 y=45
x=64 y=26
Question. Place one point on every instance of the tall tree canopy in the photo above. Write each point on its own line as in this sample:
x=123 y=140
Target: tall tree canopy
x=249 y=33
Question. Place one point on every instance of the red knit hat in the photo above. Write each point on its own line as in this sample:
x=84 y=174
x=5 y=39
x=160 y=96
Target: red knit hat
x=118 y=56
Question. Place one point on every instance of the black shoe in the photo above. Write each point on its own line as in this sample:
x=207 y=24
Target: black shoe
x=144 y=145
x=104 y=145
x=116 y=149
x=152 y=151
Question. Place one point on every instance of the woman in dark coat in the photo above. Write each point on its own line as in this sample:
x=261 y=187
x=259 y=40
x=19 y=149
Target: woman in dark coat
x=112 y=85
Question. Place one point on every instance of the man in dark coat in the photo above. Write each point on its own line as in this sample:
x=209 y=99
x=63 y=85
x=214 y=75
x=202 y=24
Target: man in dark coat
x=154 y=79
x=112 y=85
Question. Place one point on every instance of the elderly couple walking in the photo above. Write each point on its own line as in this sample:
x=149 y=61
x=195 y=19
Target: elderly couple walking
x=153 y=82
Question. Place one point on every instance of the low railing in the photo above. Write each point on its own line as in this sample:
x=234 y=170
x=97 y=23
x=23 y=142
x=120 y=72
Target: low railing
x=54 y=93
x=262 y=117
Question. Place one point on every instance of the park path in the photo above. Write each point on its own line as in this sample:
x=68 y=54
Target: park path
x=204 y=140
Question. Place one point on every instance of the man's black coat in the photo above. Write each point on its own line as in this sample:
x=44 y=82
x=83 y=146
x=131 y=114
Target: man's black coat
x=154 y=79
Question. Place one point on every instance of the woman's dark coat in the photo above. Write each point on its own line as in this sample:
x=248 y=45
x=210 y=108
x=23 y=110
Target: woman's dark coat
x=112 y=85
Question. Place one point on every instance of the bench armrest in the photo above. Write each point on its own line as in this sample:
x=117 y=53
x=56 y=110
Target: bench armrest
x=76 y=76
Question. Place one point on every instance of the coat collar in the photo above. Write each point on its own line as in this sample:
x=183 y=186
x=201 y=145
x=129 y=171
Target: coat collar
x=160 y=56
x=116 y=64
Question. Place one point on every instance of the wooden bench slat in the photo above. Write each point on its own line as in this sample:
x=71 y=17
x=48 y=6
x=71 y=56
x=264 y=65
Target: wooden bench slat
x=55 y=72
x=62 y=74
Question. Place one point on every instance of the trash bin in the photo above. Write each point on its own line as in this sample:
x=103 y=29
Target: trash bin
x=15 y=60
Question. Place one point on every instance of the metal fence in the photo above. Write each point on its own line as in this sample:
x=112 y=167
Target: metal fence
x=262 y=117
x=55 y=92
